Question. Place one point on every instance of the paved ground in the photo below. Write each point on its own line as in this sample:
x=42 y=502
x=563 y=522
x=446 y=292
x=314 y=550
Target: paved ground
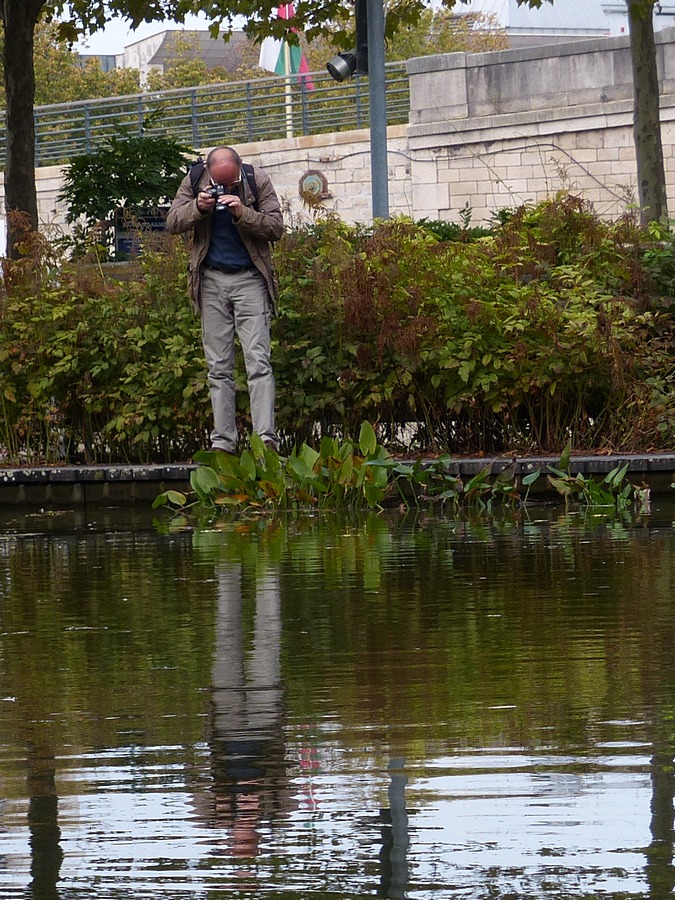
x=65 y=485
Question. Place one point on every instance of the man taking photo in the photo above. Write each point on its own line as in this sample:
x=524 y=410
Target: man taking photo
x=234 y=214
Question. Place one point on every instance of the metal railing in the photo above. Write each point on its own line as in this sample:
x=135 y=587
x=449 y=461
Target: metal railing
x=227 y=113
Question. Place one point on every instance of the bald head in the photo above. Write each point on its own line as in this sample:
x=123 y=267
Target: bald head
x=224 y=164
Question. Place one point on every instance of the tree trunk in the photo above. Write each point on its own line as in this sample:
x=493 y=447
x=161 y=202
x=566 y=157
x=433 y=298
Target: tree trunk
x=647 y=121
x=19 y=19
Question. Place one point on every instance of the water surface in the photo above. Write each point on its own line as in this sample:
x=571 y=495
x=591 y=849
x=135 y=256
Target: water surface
x=386 y=707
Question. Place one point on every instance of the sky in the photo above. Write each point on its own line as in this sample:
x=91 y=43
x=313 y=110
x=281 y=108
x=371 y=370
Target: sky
x=116 y=35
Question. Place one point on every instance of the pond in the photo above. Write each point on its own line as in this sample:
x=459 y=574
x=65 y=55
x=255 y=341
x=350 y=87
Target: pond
x=335 y=707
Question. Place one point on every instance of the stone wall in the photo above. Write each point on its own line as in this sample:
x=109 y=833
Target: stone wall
x=486 y=131
x=500 y=129
x=342 y=158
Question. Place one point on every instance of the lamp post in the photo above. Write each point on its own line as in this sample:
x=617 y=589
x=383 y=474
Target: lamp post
x=379 y=169
x=368 y=58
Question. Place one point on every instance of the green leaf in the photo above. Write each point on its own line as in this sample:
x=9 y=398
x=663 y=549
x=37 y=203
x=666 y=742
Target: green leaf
x=217 y=460
x=309 y=456
x=346 y=470
x=561 y=486
x=203 y=494
x=449 y=495
x=566 y=456
x=380 y=474
x=367 y=439
x=328 y=447
x=479 y=479
x=559 y=472
x=176 y=497
x=299 y=467
x=258 y=446
x=205 y=479
x=465 y=370
x=616 y=476
x=374 y=495
x=247 y=463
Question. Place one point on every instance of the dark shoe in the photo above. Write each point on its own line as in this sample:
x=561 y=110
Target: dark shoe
x=222 y=450
x=271 y=445
x=212 y=450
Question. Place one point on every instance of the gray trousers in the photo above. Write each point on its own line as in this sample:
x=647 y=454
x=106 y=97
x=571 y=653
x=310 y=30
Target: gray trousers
x=237 y=303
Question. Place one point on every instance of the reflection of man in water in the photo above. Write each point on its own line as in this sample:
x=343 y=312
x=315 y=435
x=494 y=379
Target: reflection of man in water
x=395 y=838
x=45 y=833
x=246 y=722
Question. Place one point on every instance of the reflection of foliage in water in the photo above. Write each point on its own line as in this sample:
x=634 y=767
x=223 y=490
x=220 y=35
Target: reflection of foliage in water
x=467 y=630
x=103 y=634
x=522 y=617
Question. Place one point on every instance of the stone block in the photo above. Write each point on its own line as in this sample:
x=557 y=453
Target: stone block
x=585 y=156
x=591 y=139
x=580 y=124
x=61 y=474
x=516 y=185
x=535 y=158
x=540 y=186
x=438 y=95
x=517 y=172
x=450 y=176
x=600 y=169
x=660 y=462
x=431 y=196
x=483 y=175
x=460 y=201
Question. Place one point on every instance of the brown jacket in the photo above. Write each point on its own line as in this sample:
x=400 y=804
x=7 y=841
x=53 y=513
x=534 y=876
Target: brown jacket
x=260 y=223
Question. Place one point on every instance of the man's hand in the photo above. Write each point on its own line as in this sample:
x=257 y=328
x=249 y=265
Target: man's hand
x=205 y=202
x=233 y=203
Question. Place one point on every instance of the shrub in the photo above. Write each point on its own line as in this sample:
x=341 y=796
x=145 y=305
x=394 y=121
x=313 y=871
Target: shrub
x=556 y=328
x=547 y=331
x=103 y=368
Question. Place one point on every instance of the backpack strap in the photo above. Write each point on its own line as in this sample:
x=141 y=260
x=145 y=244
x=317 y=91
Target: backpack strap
x=197 y=170
x=247 y=172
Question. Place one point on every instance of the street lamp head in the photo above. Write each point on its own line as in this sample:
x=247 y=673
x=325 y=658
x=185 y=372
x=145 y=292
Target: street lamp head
x=342 y=66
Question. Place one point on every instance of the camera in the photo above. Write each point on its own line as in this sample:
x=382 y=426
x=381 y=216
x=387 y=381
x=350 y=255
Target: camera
x=216 y=190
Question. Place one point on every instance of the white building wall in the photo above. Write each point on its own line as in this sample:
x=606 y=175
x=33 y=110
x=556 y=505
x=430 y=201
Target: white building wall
x=617 y=15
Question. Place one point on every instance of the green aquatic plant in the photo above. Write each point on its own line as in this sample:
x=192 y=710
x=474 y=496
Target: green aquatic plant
x=349 y=475
x=336 y=475
x=430 y=481
x=612 y=490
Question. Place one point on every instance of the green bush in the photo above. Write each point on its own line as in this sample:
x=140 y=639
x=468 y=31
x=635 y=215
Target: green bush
x=520 y=341
x=131 y=176
x=101 y=368
x=556 y=328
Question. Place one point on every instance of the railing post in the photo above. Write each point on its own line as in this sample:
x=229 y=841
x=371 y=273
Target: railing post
x=37 y=139
x=140 y=114
x=87 y=129
x=194 y=114
x=304 y=101
x=357 y=99
x=249 y=112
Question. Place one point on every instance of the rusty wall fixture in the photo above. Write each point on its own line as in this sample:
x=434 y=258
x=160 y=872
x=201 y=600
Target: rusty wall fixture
x=313 y=187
